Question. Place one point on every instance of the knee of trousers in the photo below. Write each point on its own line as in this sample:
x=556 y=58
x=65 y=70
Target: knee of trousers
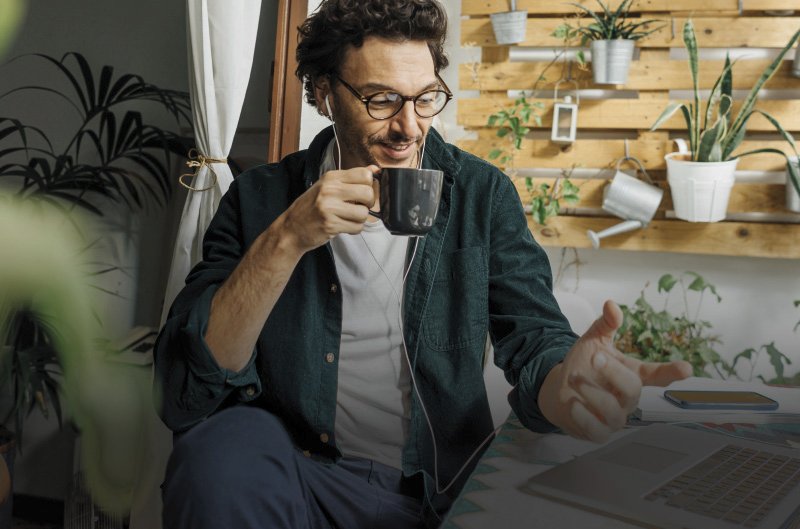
x=233 y=451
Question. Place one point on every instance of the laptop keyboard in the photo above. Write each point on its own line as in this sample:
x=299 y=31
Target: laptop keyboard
x=735 y=484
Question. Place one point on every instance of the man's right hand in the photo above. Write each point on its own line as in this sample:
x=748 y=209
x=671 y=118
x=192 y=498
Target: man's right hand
x=337 y=203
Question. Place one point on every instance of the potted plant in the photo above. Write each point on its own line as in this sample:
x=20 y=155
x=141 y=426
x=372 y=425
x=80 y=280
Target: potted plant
x=112 y=154
x=660 y=336
x=612 y=36
x=701 y=179
x=509 y=26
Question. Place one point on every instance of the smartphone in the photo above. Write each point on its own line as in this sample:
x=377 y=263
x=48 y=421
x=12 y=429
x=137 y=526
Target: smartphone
x=720 y=400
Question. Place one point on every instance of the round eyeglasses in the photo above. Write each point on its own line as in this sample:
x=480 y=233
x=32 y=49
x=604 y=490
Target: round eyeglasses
x=386 y=104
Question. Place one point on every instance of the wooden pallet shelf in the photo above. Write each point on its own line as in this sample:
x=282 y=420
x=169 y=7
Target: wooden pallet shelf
x=712 y=32
x=486 y=7
x=717 y=238
x=620 y=119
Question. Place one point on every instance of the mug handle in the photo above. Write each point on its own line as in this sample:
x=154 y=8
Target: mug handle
x=377 y=215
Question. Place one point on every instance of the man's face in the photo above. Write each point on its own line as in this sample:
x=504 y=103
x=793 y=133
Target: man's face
x=380 y=65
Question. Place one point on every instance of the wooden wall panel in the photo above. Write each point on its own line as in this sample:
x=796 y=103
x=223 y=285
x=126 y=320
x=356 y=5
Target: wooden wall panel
x=644 y=75
x=587 y=153
x=621 y=114
x=712 y=32
x=486 y=7
x=767 y=228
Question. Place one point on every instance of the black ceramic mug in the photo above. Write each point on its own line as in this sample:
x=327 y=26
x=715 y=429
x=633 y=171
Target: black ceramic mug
x=409 y=199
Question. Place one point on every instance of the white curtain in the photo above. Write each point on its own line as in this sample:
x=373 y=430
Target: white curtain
x=221 y=40
x=221 y=37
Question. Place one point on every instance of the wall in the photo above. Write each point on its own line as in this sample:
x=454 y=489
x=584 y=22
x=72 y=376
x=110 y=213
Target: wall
x=146 y=37
x=757 y=293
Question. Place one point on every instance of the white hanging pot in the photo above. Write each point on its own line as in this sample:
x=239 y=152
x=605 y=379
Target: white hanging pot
x=792 y=197
x=700 y=190
x=611 y=60
x=509 y=26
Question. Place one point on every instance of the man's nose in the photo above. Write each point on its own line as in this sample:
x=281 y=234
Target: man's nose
x=405 y=121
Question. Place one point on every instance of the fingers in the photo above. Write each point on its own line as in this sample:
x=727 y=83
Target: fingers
x=606 y=325
x=587 y=425
x=354 y=186
x=657 y=374
x=603 y=405
x=610 y=375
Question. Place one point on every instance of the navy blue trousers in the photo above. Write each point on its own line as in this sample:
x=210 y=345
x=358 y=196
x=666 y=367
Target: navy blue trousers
x=239 y=469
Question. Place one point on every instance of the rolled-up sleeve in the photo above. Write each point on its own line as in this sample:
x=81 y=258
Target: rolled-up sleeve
x=189 y=383
x=529 y=333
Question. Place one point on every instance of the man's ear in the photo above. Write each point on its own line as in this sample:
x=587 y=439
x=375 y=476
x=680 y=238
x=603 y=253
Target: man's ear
x=322 y=89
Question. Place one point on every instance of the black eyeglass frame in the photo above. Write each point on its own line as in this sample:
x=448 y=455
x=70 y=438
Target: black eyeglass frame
x=366 y=99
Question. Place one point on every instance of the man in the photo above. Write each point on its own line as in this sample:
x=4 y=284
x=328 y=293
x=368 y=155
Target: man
x=302 y=394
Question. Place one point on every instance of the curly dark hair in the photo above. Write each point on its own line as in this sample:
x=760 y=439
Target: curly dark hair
x=326 y=34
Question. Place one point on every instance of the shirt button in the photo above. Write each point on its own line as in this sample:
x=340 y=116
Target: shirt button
x=306 y=453
x=330 y=357
x=250 y=391
x=324 y=438
x=334 y=288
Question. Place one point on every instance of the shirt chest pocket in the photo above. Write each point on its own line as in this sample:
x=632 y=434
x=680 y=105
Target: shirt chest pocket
x=457 y=313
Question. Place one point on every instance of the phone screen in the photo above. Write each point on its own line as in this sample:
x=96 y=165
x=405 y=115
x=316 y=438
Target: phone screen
x=746 y=399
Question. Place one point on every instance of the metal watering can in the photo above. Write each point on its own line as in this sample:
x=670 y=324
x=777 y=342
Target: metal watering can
x=629 y=198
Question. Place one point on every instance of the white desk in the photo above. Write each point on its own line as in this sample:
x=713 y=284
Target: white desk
x=494 y=495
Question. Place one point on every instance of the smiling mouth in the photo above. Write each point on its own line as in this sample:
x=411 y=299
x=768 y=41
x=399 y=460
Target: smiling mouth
x=398 y=147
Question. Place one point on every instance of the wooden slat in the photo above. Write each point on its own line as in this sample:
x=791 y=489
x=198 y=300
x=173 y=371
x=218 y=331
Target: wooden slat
x=602 y=153
x=485 y=7
x=745 y=197
x=717 y=238
x=626 y=113
x=715 y=32
x=643 y=75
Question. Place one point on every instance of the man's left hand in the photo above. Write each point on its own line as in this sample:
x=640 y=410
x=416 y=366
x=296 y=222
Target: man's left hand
x=591 y=393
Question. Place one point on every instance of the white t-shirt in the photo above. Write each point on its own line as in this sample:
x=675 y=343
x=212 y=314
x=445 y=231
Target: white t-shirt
x=372 y=401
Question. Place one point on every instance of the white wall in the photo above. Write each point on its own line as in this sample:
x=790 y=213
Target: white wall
x=757 y=293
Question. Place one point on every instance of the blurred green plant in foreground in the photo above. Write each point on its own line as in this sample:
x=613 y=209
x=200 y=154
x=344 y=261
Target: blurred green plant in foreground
x=42 y=273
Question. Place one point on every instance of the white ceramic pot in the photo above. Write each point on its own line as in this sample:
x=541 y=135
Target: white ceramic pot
x=792 y=197
x=700 y=190
x=611 y=60
x=509 y=27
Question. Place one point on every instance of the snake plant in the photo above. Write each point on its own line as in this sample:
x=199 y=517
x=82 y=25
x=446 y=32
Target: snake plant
x=716 y=133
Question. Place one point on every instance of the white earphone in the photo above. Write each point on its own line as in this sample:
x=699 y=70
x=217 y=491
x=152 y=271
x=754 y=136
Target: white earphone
x=328 y=107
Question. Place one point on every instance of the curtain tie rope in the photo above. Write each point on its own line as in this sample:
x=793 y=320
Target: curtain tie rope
x=197 y=161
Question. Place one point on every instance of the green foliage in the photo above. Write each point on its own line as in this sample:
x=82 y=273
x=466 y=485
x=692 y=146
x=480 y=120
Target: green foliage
x=114 y=154
x=546 y=202
x=777 y=359
x=658 y=336
x=716 y=133
x=608 y=25
x=513 y=124
x=29 y=364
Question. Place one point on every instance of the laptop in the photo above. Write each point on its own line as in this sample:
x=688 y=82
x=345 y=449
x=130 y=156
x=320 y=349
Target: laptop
x=674 y=477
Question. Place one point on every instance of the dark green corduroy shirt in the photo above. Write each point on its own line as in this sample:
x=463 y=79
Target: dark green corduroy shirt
x=477 y=271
